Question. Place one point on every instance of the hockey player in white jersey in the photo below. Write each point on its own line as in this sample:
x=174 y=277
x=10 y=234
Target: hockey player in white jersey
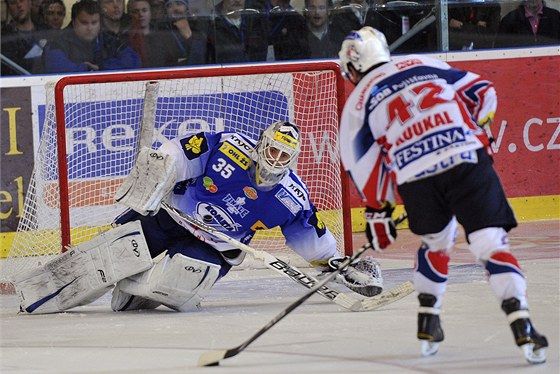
x=225 y=180
x=417 y=125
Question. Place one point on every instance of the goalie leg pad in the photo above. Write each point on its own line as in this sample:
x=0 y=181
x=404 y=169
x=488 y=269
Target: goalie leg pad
x=85 y=272
x=178 y=282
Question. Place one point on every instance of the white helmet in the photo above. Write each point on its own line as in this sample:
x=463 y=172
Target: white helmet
x=276 y=152
x=363 y=49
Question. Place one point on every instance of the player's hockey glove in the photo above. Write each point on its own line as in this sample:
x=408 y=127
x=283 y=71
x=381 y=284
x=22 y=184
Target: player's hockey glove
x=363 y=275
x=380 y=227
x=485 y=123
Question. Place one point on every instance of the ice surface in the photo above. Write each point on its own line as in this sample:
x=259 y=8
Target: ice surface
x=318 y=337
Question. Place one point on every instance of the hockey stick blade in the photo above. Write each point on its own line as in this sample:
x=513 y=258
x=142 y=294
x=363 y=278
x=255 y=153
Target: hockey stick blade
x=213 y=358
x=385 y=298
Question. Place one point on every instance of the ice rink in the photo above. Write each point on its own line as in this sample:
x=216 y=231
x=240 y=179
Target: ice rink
x=318 y=337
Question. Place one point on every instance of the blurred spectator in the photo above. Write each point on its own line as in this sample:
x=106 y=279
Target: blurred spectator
x=352 y=15
x=200 y=8
x=187 y=37
x=81 y=47
x=473 y=27
x=143 y=38
x=239 y=34
x=319 y=41
x=158 y=10
x=22 y=40
x=397 y=18
x=393 y=18
x=113 y=18
x=36 y=10
x=287 y=31
x=532 y=23
x=52 y=14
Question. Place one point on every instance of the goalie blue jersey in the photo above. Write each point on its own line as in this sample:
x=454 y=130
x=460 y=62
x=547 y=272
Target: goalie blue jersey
x=214 y=186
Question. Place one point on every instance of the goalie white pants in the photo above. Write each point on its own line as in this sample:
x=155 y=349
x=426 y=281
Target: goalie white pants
x=173 y=249
x=163 y=234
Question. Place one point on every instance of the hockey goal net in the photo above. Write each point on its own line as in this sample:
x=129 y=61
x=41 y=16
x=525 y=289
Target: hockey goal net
x=93 y=128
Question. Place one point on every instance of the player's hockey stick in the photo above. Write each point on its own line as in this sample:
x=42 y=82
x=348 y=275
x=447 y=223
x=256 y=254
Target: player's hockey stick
x=213 y=358
x=297 y=275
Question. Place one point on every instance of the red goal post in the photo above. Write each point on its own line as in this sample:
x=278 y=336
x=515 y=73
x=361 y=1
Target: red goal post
x=93 y=126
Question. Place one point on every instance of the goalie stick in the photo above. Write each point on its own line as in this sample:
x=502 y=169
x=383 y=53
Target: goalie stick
x=298 y=276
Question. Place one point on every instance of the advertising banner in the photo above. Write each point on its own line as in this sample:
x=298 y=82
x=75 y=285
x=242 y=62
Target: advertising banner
x=16 y=149
x=526 y=128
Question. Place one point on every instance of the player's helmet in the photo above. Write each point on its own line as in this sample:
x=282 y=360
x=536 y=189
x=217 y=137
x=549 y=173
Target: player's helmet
x=276 y=152
x=363 y=49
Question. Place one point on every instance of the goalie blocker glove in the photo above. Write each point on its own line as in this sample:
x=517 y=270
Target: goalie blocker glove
x=380 y=226
x=362 y=276
x=151 y=179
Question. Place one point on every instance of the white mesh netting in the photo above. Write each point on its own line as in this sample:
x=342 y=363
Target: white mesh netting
x=102 y=126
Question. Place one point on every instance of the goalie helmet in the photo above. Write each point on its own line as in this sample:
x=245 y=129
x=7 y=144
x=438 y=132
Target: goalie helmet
x=276 y=152
x=363 y=49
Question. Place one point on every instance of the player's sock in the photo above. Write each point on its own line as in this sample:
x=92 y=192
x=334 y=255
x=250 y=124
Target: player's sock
x=531 y=342
x=429 y=325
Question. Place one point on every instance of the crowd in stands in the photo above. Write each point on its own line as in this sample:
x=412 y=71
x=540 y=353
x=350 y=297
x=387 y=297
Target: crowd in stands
x=109 y=35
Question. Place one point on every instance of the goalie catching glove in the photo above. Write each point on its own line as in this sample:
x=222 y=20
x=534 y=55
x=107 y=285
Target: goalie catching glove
x=362 y=276
x=380 y=226
x=150 y=180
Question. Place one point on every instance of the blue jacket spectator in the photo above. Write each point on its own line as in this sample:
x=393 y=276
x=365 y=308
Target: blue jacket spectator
x=114 y=21
x=188 y=34
x=81 y=47
x=240 y=34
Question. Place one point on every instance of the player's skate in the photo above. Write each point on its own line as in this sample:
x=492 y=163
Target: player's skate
x=526 y=337
x=429 y=326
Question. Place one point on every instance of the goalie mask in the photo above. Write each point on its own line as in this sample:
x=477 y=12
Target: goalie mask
x=276 y=152
x=363 y=49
